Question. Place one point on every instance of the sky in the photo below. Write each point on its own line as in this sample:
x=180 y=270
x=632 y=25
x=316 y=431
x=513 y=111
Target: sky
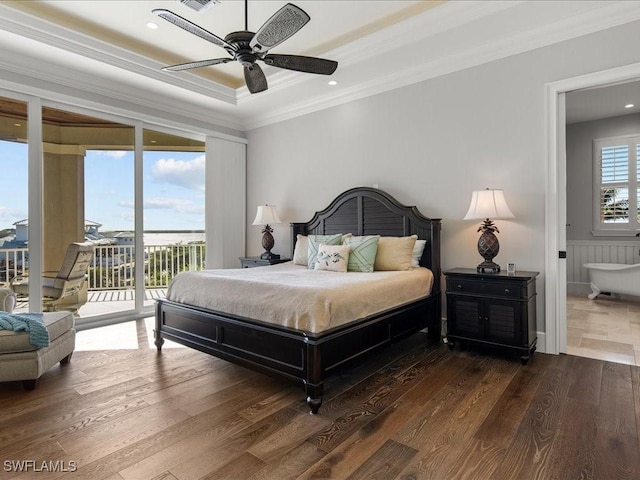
x=173 y=188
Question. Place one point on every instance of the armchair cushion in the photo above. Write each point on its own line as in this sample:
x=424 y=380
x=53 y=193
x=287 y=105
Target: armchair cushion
x=7 y=300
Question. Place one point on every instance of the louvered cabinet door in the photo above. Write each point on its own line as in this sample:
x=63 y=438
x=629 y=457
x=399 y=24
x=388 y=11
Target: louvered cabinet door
x=492 y=309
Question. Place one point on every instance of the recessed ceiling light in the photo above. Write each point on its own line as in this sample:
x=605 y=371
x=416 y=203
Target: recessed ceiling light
x=629 y=105
x=152 y=26
x=332 y=82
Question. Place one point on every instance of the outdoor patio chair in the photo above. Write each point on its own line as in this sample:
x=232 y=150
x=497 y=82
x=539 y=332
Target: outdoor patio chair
x=57 y=287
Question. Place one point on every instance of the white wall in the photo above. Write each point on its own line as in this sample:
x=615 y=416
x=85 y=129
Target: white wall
x=580 y=137
x=430 y=144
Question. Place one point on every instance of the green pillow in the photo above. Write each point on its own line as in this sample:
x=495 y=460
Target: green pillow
x=362 y=253
x=314 y=244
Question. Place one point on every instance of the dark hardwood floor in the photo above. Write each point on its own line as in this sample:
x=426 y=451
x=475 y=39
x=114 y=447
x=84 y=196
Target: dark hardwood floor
x=410 y=412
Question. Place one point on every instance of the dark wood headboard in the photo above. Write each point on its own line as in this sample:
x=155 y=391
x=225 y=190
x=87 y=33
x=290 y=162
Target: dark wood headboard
x=369 y=211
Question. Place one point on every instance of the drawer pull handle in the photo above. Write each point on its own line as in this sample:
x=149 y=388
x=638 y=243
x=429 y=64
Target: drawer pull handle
x=459 y=287
x=506 y=290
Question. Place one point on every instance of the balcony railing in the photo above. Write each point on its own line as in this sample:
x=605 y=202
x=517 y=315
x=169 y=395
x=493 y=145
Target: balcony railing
x=113 y=267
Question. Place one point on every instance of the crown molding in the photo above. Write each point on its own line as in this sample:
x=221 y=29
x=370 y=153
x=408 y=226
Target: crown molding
x=47 y=33
x=57 y=83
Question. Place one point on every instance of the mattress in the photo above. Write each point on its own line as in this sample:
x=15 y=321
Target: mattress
x=293 y=296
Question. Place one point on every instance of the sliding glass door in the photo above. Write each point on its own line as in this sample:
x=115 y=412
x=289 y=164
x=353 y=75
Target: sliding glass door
x=15 y=192
x=135 y=195
x=88 y=197
x=174 y=198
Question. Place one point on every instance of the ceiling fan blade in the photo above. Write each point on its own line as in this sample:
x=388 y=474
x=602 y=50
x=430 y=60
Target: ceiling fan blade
x=300 y=63
x=198 y=64
x=190 y=27
x=255 y=79
x=281 y=26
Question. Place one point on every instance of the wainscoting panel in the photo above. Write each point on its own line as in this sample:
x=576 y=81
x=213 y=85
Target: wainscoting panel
x=580 y=252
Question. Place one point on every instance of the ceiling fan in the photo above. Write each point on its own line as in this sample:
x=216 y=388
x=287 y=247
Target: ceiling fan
x=247 y=47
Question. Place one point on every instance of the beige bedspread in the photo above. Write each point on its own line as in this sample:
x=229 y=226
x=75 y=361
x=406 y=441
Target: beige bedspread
x=294 y=296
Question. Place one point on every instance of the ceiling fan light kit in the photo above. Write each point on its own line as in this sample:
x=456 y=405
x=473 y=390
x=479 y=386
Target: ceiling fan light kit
x=247 y=47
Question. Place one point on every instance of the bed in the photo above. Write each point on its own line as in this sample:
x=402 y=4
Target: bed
x=302 y=355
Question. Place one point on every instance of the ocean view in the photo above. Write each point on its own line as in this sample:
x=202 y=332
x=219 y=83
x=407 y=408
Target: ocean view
x=173 y=237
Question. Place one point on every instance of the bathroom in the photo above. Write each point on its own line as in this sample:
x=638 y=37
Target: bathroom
x=603 y=228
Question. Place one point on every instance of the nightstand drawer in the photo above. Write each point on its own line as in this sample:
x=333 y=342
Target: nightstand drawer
x=252 y=262
x=496 y=289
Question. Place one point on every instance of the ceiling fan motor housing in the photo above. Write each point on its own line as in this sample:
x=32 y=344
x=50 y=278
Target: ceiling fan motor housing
x=243 y=54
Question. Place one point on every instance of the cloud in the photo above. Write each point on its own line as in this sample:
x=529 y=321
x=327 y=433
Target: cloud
x=188 y=174
x=111 y=153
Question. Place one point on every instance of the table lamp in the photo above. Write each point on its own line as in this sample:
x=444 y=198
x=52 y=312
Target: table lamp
x=487 y=204
x=267 y=216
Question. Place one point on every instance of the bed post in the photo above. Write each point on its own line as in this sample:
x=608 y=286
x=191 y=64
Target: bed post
x=435 y=331
x=313 y=384
x=159 y=341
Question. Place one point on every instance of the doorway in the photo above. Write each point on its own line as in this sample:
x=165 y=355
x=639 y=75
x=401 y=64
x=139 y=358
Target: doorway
x=602 y=126
x=556 y=208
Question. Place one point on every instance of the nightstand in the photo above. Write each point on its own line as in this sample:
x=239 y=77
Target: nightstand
x=493 y=309
x=248 y=262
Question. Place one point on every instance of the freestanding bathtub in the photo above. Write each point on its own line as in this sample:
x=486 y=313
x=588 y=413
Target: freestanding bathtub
x=614 y=278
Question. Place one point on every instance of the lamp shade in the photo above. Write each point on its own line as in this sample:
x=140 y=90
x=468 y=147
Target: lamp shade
x=266 y=215
x=488 y=204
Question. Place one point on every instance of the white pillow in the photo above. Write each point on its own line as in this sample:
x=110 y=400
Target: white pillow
x=332 y=257
x=301 y=250
x=418 y=249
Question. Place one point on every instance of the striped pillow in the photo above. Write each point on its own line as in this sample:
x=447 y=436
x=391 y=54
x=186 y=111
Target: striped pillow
x=314 y=244
x=362 y=253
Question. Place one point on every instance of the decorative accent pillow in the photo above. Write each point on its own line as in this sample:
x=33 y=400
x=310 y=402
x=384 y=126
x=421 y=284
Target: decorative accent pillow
x=314 y=243
x=395 y=253
x=301 y=250
x=332 y=257
x=418 y=249
x=362 y=252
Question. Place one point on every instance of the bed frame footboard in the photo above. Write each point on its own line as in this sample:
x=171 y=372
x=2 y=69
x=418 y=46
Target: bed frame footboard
x=295 y=356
